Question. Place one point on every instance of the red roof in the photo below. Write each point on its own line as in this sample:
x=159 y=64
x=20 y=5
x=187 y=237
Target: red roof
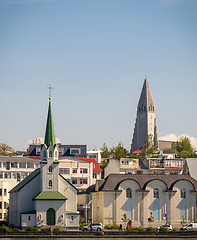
x=137 y=151
x=96 y=166
x=95 y=169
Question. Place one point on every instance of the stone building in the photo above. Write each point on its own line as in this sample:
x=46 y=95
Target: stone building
x=170 y=199
x=145 y=124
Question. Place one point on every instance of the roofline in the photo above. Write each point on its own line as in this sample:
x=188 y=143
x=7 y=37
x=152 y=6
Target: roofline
x=68 y=182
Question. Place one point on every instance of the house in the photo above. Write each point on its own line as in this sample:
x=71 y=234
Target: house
x=170 y=199
x=124 y=165
x=45 y=197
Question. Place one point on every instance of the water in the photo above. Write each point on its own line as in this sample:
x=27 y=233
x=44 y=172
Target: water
x=100 y=238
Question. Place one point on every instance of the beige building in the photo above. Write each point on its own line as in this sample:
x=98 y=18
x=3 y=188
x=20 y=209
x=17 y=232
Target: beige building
x=167 y=198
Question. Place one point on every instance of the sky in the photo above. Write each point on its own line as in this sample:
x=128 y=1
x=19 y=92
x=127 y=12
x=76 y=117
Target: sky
x=96 y=53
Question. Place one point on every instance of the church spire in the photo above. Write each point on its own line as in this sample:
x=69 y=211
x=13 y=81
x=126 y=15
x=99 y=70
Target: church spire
x=49 y=133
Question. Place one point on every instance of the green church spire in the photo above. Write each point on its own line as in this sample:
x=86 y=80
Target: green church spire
x=49 y=133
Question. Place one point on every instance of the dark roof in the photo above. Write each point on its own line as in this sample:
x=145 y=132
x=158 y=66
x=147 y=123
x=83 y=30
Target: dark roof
x=50 y=195
x=30 y=212
x=90 y=189
x=25 y=181
x=112 y=181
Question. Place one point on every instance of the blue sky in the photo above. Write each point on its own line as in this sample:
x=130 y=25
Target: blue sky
x=96 y=53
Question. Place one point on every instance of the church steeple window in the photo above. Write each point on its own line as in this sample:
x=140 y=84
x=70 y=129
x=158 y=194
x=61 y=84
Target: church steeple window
x=50 y=169
x=50 y=153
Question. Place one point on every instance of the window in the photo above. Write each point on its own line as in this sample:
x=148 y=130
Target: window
x=72 y=219
x=60 y=152
x=50 y=183
x=50 y=169
x=0 y=215
x=156 y=193
x=5 y=192
x=14 y=165
x=0 y=164
x=183 y=193
x=55 y=154
x=29 y=218
x=14 y=175
x=74 y=181
x=30 y=165
x=1 y=174
x=18 y=177
x=7 y=165
x=4 y=215
x=83 y=181
x=5 y=205
x=94 y=175
x=74 y=170
x=75 y=151
x=7 y=175
x=128 y=193
x=4 y=164
x=0 y=191
x=38 y=151
x=50 y=154
x=22 y=164
x=0 y=205
x=83 y=170
x=64 y=170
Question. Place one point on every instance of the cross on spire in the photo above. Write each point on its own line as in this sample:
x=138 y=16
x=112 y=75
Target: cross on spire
x=50 y=87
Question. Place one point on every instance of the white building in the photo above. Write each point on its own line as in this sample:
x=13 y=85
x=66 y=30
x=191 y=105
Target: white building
x=96 y=154
x=45 y=197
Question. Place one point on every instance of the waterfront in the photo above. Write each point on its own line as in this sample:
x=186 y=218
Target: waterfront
x=154 y=238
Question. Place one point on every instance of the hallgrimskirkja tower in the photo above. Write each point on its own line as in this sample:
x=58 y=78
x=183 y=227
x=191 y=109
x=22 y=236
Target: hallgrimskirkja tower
x=145 y=124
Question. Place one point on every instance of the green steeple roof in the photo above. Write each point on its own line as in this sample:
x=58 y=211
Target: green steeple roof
x=49 y=134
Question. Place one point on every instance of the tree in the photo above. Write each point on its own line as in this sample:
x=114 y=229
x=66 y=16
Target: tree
x=183 y=147
x=104 y=151
x=119 y=151
x=148 y=147
x=5 y=149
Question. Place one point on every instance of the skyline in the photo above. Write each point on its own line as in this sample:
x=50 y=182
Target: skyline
x=96 y=55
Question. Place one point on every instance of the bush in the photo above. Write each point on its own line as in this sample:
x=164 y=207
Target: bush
x=164 y=229
x=5 y=229
x=56 y=229
x=150 y=229
x=82 y=225
x=112 y=226
x=47 y=229
x=16 y=230
x=31 y=229
x=137 y=229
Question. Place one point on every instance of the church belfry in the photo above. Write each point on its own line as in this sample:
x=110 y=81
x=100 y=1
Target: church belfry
x=145 y=124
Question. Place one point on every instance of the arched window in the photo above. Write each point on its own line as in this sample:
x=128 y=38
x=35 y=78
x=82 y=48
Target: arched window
x=183 y=193
x=50 y=153
x=50 y=168
x=156 y=193
x=50 y=183
x=129 y=193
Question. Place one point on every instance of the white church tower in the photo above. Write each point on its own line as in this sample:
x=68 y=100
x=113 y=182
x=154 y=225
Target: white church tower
x=145 y=124
x=49 y=157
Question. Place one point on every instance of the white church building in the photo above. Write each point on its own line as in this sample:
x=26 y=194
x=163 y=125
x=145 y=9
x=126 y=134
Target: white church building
x=45 y=197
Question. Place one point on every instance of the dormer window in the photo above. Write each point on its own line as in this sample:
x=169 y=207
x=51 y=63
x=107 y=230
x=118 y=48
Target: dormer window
x=50 y=154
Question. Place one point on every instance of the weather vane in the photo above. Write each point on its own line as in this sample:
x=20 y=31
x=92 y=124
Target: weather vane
x=50 y=88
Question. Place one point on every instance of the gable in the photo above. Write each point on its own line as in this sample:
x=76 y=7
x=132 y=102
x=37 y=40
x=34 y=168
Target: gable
x=25 y=181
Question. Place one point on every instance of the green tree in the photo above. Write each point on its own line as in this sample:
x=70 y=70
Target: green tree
x=183 y=147
x=148 y=148
x=104 y=151
x=119 y=151
x=5 y=149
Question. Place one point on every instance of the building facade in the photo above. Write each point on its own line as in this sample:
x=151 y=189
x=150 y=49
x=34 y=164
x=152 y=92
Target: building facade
x=140 y=197
x=145 y=124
